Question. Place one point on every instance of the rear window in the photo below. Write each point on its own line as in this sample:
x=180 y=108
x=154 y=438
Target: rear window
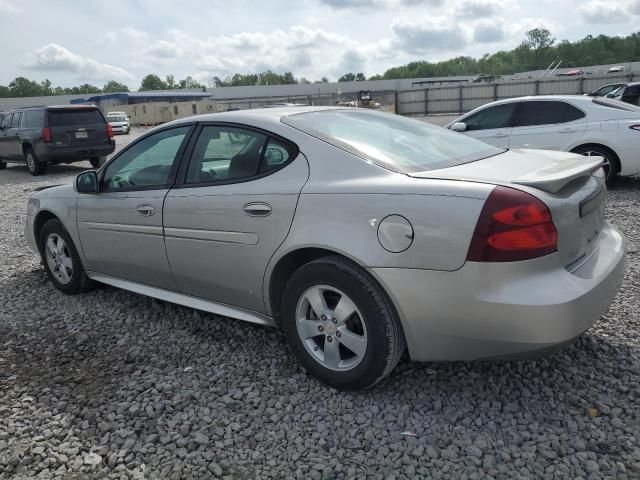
x=618 y=105
x=64 y=118
x=398 y=143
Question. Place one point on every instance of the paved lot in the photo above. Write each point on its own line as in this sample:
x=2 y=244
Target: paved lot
x=114 y=385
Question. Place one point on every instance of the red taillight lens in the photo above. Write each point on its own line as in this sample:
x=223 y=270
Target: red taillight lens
x=46 y=135
x=109 y=131
x=513 y=226
x=635 y=127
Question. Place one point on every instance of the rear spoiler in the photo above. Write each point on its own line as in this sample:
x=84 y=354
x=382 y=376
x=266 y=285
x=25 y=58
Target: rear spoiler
x=553 y=179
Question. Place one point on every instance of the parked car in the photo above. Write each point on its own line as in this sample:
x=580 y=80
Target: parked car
x=38 y=136
x=628 y=93
x=358 y=233
x=119 y=122
x=569 y=123
x=606 y=89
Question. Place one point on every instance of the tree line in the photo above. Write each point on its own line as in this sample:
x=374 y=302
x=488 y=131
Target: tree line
x=538 y=49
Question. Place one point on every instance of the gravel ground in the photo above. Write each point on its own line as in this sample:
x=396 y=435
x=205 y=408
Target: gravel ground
x=115 y=385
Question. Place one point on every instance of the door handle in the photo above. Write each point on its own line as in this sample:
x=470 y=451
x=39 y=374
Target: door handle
x=146 y=210
x=500 y=135
x=257 y=209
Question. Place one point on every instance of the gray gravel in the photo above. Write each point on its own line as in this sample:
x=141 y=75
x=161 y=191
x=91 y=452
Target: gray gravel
x=114 y=385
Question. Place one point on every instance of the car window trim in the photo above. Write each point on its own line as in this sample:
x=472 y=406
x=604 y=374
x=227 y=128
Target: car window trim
x=178 y=160
x=181 y=180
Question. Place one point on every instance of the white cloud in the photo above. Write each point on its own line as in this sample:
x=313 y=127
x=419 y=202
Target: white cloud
x=163 y=50
x=9 y=6
x=428 y=34
x=603 y=12
x=488 y=31
x=367 y=4
x=54 y=57
x=479 y=8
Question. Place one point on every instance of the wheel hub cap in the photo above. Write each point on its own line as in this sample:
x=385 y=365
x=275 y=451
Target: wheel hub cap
x=58 y=258
x=331 y=328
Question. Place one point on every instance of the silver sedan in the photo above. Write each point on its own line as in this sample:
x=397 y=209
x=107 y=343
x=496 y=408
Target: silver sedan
x=360 y=234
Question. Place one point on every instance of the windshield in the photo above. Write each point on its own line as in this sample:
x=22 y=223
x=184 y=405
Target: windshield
x=116 y=117
x=398 y=143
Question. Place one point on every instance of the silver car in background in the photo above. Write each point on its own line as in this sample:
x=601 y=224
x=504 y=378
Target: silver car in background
x=119 y=122
x=360 y=234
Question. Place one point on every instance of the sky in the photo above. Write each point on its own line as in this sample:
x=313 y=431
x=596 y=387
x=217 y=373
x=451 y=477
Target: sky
x=71 y=42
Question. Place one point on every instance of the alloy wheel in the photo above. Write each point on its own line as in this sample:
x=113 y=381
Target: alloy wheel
x=331 y=328
x=59 y=258
x=31 y=162
x=606 y=163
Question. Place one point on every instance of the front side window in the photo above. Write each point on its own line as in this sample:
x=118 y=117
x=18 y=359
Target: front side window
x=397 y=143
x=602 y=91
x=544 y=113
x=6 y=121
x=225 y=153
x=499 y=116
x=147 y=163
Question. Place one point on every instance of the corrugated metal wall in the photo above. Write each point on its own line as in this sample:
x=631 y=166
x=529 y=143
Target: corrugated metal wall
x=465 y=97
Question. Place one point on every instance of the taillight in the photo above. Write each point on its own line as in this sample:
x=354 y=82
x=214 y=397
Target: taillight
x=46 y=135
x=635 y=127
x=513 y=226
x=109 y=130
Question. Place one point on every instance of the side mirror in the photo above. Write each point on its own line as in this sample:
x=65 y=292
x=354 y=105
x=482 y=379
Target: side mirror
x=459 y=127
x=87 y=182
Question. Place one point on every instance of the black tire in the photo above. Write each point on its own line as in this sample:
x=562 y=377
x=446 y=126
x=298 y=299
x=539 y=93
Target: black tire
x=610 y=158
x=33 y=165
x=3 y=165
x=79 y=281
x=385 y=339
x=97 y=162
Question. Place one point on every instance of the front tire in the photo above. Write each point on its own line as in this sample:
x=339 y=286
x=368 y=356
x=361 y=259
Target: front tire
x=35 y=168
x=61 y=259
x=610 y=165
x=340 y=324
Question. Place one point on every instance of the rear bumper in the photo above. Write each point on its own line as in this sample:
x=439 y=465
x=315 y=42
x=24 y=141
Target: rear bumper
x=49 y=153
x=514 y=309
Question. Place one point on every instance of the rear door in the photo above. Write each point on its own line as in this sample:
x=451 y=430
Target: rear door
x=233 y=210
x=547 y=125
x=77 y=127
x=12 y=138
x=491 y=125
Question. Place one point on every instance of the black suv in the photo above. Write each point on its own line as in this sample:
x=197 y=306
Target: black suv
x=65 y=134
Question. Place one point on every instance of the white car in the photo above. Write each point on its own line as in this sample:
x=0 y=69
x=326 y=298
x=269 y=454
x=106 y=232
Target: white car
x=570 y=123
x=119 y=122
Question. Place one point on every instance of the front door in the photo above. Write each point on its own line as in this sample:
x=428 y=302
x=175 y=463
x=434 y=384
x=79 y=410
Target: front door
x=121 y=227
x=233 y=210
x=6 y=137
x=491 y=125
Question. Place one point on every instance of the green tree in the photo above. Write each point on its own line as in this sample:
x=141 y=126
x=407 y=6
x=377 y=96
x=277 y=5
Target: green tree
x=170 y=81
x=324 y=80
x=5 y=92
x=539 y=40
x=152 y=82
x=114 y=87
x=347 y=77
x=190 y=83
x=377 y=76
x=23 y=87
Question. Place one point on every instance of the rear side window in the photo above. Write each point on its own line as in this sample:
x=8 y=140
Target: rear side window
x=545 y=113
x=64 y=118
x=499 y=116
x=15 y=123
x=631 y=95
x=34 y=118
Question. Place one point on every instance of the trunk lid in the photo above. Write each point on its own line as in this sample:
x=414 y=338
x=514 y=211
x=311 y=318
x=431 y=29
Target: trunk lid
x=77 y=127
x=571 y=185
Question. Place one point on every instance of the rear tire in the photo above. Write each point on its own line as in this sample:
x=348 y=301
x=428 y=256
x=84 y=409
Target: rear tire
x=35 y=168
x=611 y=164
x=3 y=165
x=348 y=351
x=61 y=260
